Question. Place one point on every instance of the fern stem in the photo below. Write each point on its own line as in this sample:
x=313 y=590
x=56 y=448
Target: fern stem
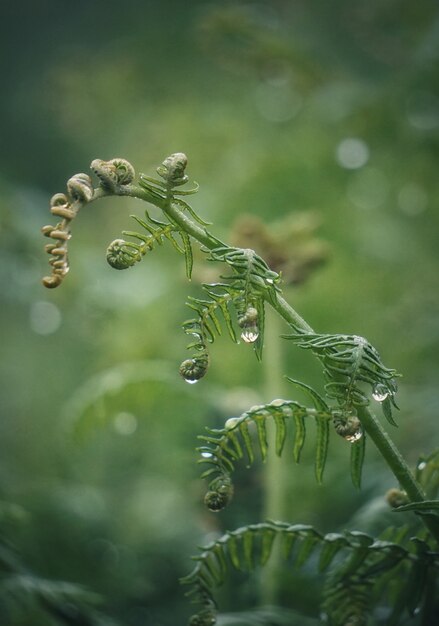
x=371 y=425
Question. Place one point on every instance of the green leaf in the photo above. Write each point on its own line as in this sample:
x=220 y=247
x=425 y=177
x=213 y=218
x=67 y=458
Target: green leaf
x=233 y=547
x=218 y=551
x=321 y=446
x=288 y=542
x=243 y=429
x=307 y=546
x=281 y=430
x=261 y=428
x=248 y=543
x=333 y=542
x=416 y=585
x=419 y=507
x=227 y=317
x=214 y=569
x=268 y=537
x=358 y=449
x=316 y=398
x=187 y=253
x=235 y=441
x=299 y=435
x=386 y=406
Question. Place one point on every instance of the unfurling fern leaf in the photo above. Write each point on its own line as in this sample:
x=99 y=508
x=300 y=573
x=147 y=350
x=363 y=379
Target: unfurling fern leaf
x=251 y=281
x=122 y=254
x=226 y=446
x=350 y=361
x=360 y=565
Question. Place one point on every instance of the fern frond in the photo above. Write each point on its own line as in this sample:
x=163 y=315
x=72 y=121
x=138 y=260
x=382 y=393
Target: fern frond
x=122 y=254
x=361 y=563
x=204 y=328
x=350 y=361
x=226 y=446
x=250 y=282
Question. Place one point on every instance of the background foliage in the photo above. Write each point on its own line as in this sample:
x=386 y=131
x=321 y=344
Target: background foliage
x=283 y=107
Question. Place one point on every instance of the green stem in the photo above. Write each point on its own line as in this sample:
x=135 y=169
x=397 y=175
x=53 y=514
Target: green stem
x=371 y=425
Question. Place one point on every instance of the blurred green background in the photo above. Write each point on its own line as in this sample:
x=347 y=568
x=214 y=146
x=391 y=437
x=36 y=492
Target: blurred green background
x=326 y=111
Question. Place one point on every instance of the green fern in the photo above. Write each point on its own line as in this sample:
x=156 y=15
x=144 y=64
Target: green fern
x=359 y=568
x=359 y=562
x=225 y=447
x=350 y=361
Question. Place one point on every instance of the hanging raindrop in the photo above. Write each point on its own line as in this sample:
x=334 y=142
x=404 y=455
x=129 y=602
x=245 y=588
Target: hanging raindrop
x=249 y=324
x=380 y=392
x=356 y=436
x=250 y=335
x=189 y=381
x=348 y=426
x=231 y=423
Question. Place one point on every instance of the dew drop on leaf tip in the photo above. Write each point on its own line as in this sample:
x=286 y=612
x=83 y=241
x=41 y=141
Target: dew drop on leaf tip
x=355 y=436
x=249 y=336
x=380 y=393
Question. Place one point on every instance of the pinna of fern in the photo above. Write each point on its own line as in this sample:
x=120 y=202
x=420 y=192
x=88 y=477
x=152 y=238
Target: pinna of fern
x=356 y=565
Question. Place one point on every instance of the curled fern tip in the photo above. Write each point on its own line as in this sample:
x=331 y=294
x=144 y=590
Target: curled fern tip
x=172 y=170
x=193 y=369
x=121 y=254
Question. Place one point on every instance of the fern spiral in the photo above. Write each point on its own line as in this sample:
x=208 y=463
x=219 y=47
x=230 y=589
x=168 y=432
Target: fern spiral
x=122 y=254
x=113 y=173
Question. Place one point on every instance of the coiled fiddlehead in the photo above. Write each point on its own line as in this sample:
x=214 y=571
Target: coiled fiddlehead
x=67 y=209
x=361 y=563
x=122 y=254
x=113 y=175
x=206 y=326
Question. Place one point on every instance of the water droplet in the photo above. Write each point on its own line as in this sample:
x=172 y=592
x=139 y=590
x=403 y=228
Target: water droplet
x=277 y=402
x=249 y=335
x=231 y=423
x=207 y=455
x=355 y=436
x=422 y=465
x=380 y=392
x=190 y=381
x=269 y=281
